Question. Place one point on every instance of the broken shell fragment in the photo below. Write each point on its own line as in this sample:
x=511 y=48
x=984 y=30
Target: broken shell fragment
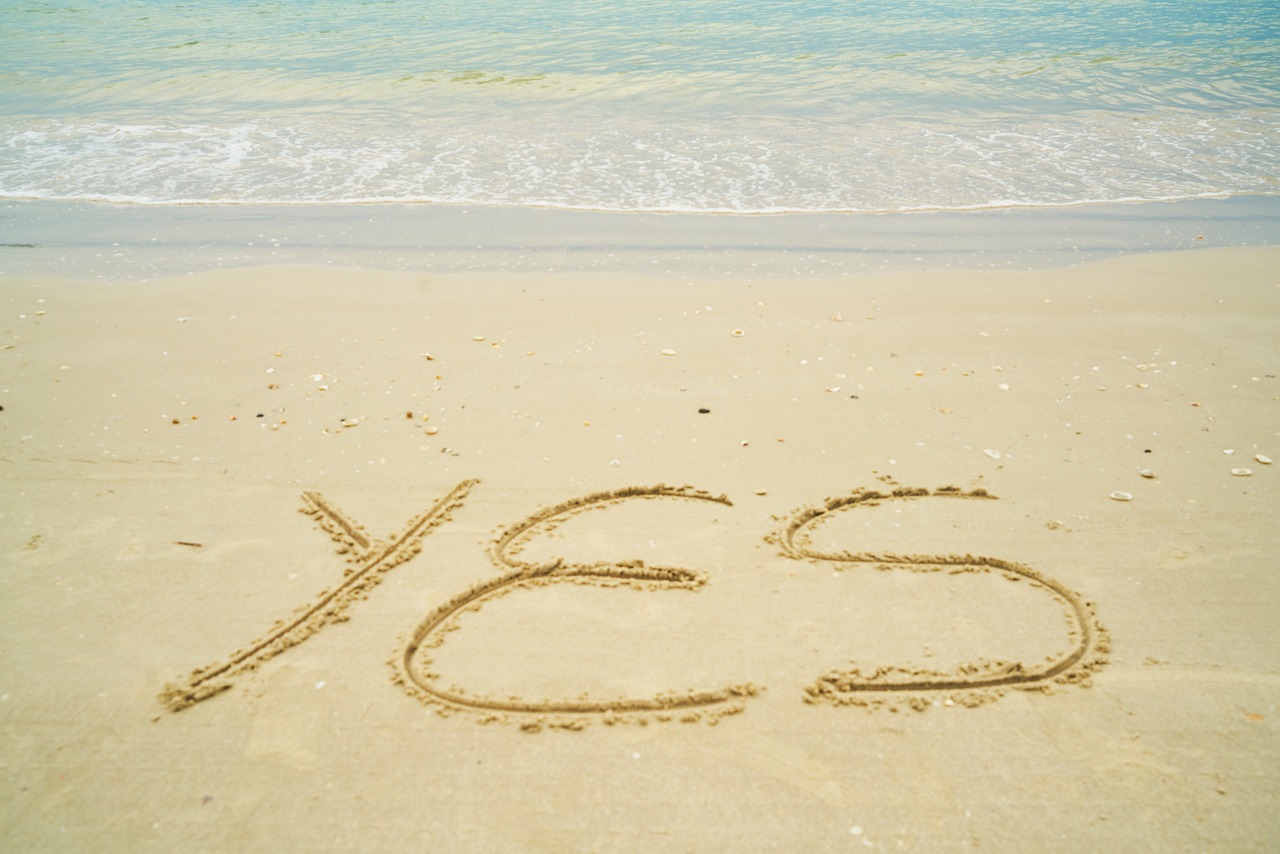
x=1242 y=472
x=1146 y=473
x=1121 y=496
x=1262 y=458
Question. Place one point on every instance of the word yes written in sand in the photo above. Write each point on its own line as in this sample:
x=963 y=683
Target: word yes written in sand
x=368 y=559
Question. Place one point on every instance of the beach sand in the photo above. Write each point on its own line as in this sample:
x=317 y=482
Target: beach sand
x=965 y=641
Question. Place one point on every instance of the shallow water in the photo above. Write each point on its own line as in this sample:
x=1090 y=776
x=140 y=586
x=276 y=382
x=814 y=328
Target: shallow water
x=689 y=106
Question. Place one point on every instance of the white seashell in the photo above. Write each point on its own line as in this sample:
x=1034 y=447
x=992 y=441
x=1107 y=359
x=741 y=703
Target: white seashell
x=991 y=452
x=738 y=333
x=668 y=352
x=1262 y=458
x=1242 y=472
x=1146 y=472
x=1121 y=496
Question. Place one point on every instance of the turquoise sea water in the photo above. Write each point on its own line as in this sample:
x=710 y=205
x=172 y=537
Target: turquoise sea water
x=698 y=105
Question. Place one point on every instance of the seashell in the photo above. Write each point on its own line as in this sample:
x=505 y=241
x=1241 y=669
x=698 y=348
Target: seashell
x=668 y=352
x=432 y=430
x=1121 y=496
x=1242 y=472
x=1262 y=458
x=738 y=333
x=991 y=452
x=1146 y=472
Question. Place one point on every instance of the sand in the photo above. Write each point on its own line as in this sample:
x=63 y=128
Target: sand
x=610 y=562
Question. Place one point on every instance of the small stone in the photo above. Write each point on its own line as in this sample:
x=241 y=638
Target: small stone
x=477 y=337
x=1228 y=451
x=350 y=422
x=1147 y=473
x=668 y=352
x=760 y=492
x=1121 y=496
x=432 y=429
x=703 y=411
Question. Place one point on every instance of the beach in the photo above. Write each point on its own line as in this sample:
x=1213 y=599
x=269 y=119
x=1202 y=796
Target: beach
x=930 y=558
x=611 y=427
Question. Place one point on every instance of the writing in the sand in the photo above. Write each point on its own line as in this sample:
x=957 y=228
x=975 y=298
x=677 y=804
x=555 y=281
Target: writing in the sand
x=369 y=558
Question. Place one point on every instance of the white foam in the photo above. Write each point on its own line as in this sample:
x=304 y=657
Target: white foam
x=737 y=166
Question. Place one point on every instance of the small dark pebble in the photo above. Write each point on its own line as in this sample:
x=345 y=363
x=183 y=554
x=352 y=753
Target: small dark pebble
x=703 y=410
x=260 y=415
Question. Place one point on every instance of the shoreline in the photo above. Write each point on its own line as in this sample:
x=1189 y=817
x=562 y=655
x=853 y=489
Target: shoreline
x=120 y=243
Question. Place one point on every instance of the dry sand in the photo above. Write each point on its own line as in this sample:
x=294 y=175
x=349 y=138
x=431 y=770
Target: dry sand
x=605 y=563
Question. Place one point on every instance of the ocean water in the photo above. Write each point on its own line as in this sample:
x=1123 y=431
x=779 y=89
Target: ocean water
x=645 y=105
